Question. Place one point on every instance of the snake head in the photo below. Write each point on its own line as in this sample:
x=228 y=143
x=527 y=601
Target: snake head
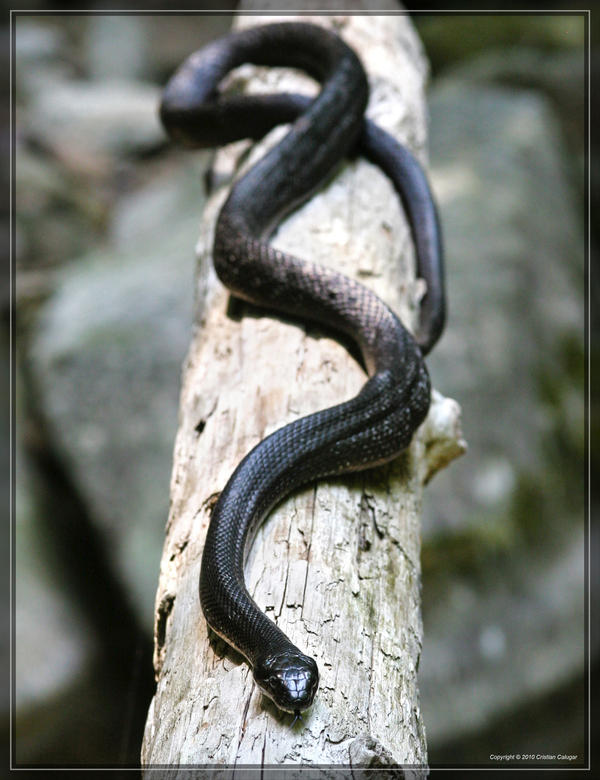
x=289 y=678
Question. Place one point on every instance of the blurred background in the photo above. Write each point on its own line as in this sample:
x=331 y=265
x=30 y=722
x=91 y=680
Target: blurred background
x=106 y=219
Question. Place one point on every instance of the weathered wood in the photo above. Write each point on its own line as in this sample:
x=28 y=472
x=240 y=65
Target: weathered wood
x=336 y=565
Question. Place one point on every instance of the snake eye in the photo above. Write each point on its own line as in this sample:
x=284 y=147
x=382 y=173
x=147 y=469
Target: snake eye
x=289 y=678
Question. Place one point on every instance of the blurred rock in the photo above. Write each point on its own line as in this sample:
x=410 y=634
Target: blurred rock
x=496 y=643
x=449 y=39
x=58 y=214
x=108 y=117
x=51 y=637
x=116 y=46
x=36 y=42
x=41 y=54
x=503 y=553
x=135 y=48
x=65 y=683
x=515 y=287
x=106 y=357
x=559 y=75
x=6 y=483
x=80 y=85
x=185 y=35
x=157 y=207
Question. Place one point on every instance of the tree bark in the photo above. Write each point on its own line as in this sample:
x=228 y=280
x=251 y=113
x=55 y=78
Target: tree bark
x=337 y=564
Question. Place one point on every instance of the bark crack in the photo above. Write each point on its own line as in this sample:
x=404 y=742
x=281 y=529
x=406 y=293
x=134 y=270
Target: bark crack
x=308 y=551
x=201 y=424
x=243 y=727
x=164 y=610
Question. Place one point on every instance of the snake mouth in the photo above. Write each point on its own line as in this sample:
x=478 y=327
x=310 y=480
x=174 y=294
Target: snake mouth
x=289 y=678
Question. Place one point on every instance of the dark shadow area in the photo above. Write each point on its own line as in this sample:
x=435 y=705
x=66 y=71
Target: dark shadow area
x=108 y=703
x=540 y=727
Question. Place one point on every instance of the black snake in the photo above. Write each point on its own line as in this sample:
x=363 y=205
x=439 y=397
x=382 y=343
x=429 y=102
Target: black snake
x=379 y=422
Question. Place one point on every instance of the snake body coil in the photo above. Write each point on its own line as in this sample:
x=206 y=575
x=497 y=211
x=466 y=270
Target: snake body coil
x=379 y=422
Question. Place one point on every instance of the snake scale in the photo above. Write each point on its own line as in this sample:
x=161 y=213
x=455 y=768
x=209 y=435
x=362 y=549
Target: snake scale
x=379 y=422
